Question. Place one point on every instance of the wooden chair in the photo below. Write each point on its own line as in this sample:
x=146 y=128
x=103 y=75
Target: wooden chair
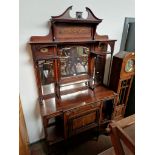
x=117 y=134
x=122 y=143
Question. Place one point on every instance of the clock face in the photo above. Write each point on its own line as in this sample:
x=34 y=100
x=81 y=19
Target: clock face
x=129 y=67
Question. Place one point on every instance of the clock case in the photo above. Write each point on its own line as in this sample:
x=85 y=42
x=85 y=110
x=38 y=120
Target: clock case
x=121 y=81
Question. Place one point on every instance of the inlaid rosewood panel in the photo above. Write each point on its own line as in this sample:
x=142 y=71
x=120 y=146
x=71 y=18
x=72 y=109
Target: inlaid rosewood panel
x=68 y=32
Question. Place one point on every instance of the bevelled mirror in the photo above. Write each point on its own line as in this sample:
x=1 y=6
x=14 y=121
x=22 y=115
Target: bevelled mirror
x=73 y=61
x=47 y=76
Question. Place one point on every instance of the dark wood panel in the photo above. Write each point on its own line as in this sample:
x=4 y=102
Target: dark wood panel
x=23 y=136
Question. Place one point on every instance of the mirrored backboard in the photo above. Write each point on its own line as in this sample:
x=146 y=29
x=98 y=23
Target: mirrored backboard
x=73 y=61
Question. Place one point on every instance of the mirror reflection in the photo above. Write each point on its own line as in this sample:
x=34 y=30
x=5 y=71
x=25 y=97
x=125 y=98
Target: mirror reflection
x=74 y=61
x=46 y=72
x=48 y=89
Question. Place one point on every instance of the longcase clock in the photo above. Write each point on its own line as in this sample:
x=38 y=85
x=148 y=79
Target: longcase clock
x=122 y=73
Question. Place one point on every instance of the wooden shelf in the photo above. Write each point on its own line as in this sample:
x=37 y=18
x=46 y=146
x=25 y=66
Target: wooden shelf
x=46 y=57
x=69 y=41
x=74 y=90
x=102 y=53
x=74 y=79
x=55 y=134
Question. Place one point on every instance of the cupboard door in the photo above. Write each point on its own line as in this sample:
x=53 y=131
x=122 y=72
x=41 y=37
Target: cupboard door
x=81 y=118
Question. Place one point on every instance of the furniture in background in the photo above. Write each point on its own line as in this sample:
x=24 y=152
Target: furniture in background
x=122 y=135
x=122 y=74
x=128 y=44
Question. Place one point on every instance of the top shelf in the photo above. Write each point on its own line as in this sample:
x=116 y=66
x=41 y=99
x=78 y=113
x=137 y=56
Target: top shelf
x=70 y=41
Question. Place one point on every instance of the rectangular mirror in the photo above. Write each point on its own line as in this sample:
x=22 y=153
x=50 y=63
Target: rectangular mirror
x=46 y=72
x=73 y=61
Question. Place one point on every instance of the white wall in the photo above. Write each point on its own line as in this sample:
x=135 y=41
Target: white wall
x=34 y=16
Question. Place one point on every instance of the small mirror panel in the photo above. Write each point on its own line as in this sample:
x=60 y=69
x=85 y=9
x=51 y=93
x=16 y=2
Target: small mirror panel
x=46 y=72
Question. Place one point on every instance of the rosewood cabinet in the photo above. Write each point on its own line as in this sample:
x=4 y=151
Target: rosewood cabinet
x=69 y=64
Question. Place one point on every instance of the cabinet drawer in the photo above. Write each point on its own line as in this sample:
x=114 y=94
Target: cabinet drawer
x=79 y=110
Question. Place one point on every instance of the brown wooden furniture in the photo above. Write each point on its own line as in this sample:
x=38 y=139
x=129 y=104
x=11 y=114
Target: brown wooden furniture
x=122 y=73
x=75 y=112
x=122 y=136
x=69 y=64
x=67 y=55
x=23 y=136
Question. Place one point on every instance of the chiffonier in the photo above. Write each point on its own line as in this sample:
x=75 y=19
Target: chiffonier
x=69 y=65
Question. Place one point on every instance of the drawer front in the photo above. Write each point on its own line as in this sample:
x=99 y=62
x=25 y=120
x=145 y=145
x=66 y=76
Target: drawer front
x=78 y=111
x=84 y=120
